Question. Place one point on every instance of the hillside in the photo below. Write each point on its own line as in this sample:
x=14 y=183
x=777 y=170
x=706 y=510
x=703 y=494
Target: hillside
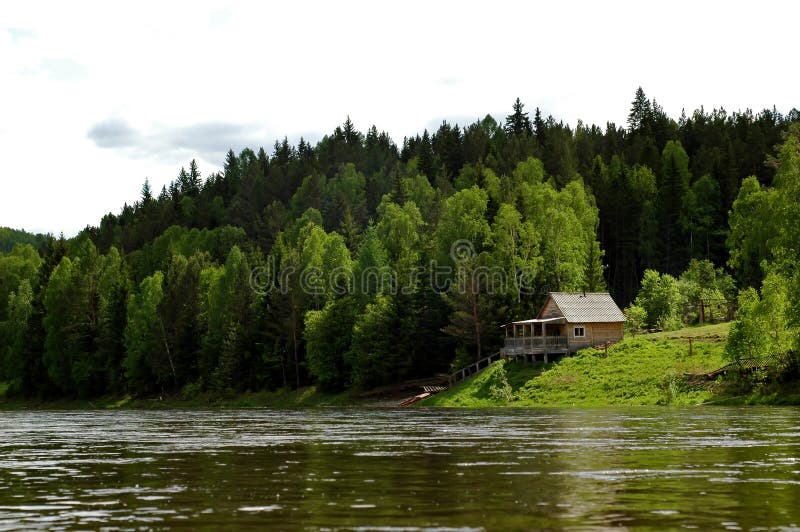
x=644 y=370
x=11 y=237
x=357 y=262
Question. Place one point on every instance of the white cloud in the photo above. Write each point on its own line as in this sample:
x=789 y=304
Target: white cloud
x=161 y=83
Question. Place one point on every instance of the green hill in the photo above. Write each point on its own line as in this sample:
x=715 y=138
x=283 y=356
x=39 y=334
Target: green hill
x=644 y=370
x=11 y=237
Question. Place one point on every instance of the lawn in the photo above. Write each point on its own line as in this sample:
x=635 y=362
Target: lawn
x=643 y=370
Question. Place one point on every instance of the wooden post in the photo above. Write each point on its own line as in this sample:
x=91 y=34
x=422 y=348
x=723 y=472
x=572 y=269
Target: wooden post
x=532 y=341
x=544 y=340
x=690 y=346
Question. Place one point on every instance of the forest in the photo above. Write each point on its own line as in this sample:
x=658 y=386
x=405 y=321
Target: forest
x=357 y=262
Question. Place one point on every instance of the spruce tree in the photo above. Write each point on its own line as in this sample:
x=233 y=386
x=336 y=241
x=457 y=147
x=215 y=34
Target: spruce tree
x=641 y=112
x=517 y=123
x=147 y=195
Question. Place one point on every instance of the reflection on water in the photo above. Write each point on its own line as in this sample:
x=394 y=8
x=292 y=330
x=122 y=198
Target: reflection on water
x=376 y=469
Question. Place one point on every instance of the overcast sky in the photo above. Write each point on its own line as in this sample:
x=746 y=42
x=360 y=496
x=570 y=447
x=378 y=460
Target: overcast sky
x=94 y=97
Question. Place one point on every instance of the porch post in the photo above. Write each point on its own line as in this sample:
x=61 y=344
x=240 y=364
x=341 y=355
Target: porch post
x=531 y=341
x=544 y=340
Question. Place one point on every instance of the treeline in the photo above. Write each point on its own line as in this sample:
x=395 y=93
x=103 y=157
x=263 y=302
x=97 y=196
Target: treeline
x=356 y=262
x=765 y=248
x=11 y=237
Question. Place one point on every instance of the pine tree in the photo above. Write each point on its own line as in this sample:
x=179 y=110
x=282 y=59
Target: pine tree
x=147 y=195
x=194 y=182
x=517 y=123
x=539 y=127
x=231 y=175
x=183 y=182
x=425 y=154
x=641 y=113
x=351 y=135
x=672 y=189
x=594 y=281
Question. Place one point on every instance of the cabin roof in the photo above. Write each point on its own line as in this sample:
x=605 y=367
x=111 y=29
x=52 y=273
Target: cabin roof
x=536 y=320
x=587 y=307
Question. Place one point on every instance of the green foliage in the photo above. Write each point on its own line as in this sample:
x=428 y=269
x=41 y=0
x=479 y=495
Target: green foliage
x=146 y=361
x=399 y=228
x=462 y=221
x=327 y=334
x=13 y=333
x=374 y=353
x=707 y=292
x=702 y=218
x=112 y=295
x=660 y=298
x=748 y=337
x=72 y=307
x=762 y=327
x=9 y=238
x=672 y=191
x=764 y=227
x=21 y=264
x=217 y=242
x=317 y=264
x=516 y=245
x=500 y=389
x=750 y=223
x=228 y=305
x=636 y=317
x=491 y=387
x=636 y=371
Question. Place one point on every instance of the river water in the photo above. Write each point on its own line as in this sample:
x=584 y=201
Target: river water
x=392 y=469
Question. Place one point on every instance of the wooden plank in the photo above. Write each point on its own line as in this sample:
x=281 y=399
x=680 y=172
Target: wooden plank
x=415 y=399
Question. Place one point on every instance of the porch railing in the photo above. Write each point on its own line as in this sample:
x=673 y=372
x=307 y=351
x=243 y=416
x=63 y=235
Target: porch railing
x=537 y=342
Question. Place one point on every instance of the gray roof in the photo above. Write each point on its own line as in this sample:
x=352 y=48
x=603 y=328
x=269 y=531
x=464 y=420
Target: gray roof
x=588 y=307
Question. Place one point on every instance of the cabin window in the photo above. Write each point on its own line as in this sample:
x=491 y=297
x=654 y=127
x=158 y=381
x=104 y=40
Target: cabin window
x=580 y=332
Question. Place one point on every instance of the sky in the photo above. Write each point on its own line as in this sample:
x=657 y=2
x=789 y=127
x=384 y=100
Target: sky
x=96 y=97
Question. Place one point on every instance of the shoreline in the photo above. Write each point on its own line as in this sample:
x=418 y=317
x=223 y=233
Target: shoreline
x=644 y=370
x=346 y=401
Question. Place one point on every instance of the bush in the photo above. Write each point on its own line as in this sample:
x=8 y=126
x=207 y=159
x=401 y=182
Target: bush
x=499 y=387
x=637 y=319
x=660 y=298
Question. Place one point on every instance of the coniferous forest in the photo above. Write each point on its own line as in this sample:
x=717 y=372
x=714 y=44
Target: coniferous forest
x=360 y=262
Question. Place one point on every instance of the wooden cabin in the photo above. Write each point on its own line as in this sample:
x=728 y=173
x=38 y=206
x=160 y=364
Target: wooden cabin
x=566 y=323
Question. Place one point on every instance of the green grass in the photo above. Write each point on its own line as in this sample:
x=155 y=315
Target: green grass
x=476 y=392
x=645 y=370
x=717 y=332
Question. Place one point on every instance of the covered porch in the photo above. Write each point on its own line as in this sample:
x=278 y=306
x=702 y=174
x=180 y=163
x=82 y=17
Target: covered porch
x=529 y=338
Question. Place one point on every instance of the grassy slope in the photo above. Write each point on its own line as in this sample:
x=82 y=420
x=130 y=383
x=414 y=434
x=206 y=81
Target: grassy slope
x=645 y=370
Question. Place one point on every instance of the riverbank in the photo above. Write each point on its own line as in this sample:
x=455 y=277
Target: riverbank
x=284 y=398
x=304 y=398
x=644 y=370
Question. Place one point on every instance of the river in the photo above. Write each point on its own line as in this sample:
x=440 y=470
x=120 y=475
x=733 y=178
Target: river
x=392 y=469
